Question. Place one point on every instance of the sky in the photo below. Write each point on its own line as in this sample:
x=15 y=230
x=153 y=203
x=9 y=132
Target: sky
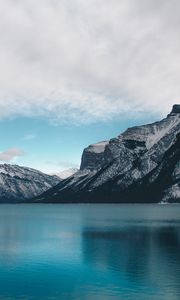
x=77 y=72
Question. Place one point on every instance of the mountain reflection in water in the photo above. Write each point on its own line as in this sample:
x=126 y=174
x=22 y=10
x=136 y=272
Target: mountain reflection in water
x=89 y=252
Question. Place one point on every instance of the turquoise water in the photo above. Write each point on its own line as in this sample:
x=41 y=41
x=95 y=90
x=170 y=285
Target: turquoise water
x=90 y=252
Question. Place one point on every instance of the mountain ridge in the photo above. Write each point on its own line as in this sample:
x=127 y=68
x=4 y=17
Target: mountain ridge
x=19 y=184
x=110 y=168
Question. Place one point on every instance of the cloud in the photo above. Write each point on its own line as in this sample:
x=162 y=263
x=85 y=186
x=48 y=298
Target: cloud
x=62 y=165
x=52 y=167
x=67 y=165
x=29 y=136
x=11 y=154
x=84 y=61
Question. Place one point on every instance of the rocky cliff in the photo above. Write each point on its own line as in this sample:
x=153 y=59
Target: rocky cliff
x=18 y=184
x=93 y=156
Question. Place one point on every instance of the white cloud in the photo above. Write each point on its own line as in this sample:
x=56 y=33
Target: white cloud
x=11 y=154
x=56 y=167
x=66 y=173
x=67 y=165
x=83 y=61
x=29 y=136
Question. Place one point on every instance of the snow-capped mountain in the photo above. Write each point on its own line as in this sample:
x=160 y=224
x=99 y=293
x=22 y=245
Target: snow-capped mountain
x=140 y=165
x=66 y=173
x=19 y=184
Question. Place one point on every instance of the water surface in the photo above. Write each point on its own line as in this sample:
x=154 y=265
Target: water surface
x=90 y=252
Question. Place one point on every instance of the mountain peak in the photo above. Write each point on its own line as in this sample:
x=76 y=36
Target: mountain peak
x=175 y=109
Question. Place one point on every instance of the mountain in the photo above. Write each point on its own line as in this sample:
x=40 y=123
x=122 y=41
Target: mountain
x=66 y=173
x=18 y=184
x=141 y=165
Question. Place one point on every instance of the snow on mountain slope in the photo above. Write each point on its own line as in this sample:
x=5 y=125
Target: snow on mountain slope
x=19 y=184
x=151 y=133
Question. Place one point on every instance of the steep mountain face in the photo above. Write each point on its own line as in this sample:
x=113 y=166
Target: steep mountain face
x=140 y=165
x=93 y=156
x=19 y=184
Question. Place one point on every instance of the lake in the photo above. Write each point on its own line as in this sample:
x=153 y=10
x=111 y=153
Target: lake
x=89 y=252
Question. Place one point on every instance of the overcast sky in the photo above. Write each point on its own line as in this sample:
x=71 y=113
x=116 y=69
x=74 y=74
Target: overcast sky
x=83 y=62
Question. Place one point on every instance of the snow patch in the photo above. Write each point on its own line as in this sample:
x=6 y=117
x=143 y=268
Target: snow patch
x=98 y=147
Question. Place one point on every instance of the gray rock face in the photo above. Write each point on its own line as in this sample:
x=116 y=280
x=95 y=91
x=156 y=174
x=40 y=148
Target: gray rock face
x=176 y=108
x=117 y=170
x=19 y=184
x=164 y=181
x=93 y=156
